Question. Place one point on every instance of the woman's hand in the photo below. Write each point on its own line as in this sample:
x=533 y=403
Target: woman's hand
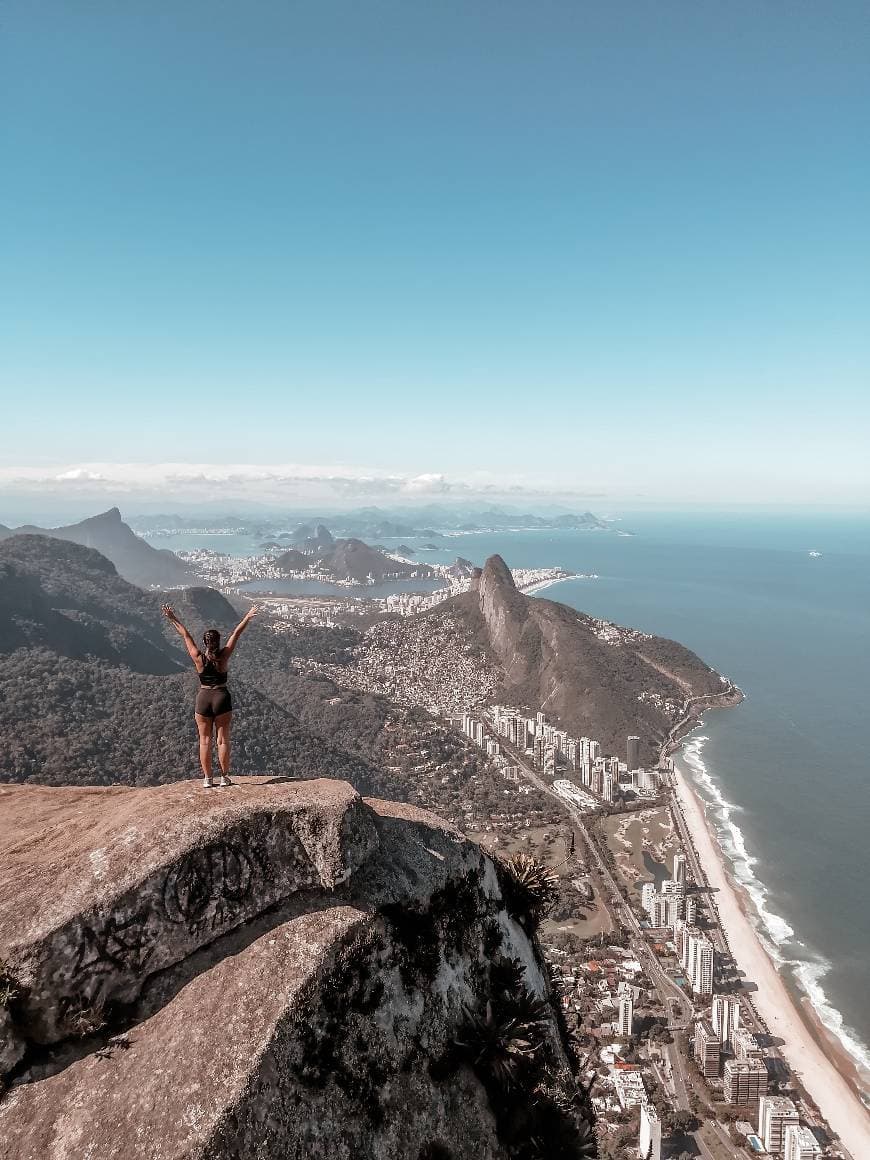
x=166 y=609
x=252 y=612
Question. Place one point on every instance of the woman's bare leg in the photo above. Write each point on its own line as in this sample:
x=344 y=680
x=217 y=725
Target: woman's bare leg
x=204 y=726
x=223 y=722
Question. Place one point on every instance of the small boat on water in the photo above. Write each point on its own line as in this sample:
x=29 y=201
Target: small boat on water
x=814 y=555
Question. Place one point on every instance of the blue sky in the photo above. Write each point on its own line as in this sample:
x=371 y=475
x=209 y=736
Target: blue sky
x=605 y=249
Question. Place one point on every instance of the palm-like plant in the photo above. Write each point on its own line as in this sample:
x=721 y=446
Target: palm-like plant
x=561 y=1121
x=532 y=889
x=503 y=1044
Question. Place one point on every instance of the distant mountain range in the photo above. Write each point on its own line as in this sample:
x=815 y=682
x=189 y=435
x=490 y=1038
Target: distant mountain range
x=133 y=557
x=374 y=524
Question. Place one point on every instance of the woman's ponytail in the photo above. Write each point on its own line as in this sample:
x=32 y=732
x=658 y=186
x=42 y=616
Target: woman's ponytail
x=211 y=638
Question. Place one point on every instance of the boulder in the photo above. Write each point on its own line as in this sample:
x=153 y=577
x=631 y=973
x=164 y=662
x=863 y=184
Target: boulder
x=279 y=969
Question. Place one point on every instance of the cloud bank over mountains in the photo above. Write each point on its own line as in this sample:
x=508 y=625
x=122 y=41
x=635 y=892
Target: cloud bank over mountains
x=284 y=484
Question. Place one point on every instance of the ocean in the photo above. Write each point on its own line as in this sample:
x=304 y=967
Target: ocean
x=786 y=773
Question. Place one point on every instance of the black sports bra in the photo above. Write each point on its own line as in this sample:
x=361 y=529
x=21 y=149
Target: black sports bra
x=211 y=675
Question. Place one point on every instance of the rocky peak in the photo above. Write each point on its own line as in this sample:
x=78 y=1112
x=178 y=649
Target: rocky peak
x=505 y=611
x=282 y=969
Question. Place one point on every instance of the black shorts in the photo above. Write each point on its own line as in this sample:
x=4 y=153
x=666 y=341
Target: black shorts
x=211 y=702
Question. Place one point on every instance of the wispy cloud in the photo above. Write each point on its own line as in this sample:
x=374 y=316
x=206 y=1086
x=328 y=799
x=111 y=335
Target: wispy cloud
x=274 y=483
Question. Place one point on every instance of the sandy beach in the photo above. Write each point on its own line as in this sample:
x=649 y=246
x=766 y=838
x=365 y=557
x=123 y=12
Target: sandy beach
x=838 y=1102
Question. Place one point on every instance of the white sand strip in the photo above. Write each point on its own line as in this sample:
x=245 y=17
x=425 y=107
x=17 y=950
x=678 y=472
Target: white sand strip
x=838 y=1102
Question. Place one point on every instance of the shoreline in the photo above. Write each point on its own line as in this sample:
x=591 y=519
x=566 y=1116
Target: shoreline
x=817 y=1059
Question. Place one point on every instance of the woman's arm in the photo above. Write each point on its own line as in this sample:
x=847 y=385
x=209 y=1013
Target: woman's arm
x=189 y=642
x=233 y=638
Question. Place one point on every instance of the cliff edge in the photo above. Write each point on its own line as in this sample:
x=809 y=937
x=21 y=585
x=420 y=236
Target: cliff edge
x=282 y=969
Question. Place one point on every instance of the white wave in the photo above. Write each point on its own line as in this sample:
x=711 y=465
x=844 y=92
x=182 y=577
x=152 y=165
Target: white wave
x=775 y=932
x=808 y=973
x=775 y=929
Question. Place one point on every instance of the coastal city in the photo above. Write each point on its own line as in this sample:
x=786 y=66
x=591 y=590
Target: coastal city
x=674 y=1045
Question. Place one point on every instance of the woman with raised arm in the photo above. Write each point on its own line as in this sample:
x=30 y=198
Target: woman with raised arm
x=214 y=706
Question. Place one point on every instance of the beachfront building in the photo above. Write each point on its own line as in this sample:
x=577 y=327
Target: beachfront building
x=775 y=1113
x=698 y=955
x=725 y=1017
x=744 y=1045
x=708 y=1047
x=745 y=1083
x=680 y=868
x=625 y=1022
x=649 y=1144
x=800 y=1144
x=691 y=910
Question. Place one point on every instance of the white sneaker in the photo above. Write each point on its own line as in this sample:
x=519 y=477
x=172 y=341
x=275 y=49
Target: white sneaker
x=207 y=783
x=224 y=780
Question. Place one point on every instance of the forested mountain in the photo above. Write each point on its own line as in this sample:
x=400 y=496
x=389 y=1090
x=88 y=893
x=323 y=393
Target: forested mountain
x=96 y=688
x=135 y=559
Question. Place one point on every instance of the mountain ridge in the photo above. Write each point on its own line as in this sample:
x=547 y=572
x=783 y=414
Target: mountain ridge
x=134 y=559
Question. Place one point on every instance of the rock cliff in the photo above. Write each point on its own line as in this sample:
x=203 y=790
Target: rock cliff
x=276 y=970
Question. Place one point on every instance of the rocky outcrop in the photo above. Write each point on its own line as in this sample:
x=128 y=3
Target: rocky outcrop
x=599 y=679
x=276 y=970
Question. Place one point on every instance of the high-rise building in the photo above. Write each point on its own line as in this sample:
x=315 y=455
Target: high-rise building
x=659 y=911
x=647 y=892
x=775 y=1113
x=679 y=937
x=609 y=789
x=594 y=750
x=676 y=891
x=744 y=1045
x=691 y=909
x=800 y=1144
x=625 y=1022
x=649 y=1144
x=708 y=1047
x=745 y=1083
x=725 y=1017
x=539 y=752
x=632 y=753
x=549 y=760
x=679 y=874
x=700 y=965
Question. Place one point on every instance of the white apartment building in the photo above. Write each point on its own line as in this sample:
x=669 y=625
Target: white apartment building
x=679 y=874
x=725 y=1016
x=744 y=1045
x=775 y=1113
x=699 y=966
x=625 y=1021
x=800 y=1144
